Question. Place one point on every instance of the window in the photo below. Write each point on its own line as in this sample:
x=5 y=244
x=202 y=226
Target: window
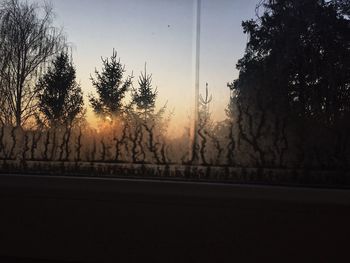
x=177 y=89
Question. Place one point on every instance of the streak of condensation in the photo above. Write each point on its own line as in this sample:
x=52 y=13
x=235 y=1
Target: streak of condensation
x=193 y=149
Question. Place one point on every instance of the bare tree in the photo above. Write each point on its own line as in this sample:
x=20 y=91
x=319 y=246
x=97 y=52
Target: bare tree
x=204 y=122
x=27 y=42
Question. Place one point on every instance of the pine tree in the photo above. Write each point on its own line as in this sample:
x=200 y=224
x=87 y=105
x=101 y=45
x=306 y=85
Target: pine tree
x=60 y=98
x=149 y=124
x=110 y=87
x=145 y=97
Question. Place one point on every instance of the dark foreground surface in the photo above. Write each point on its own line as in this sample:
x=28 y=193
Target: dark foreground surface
x=67 y=219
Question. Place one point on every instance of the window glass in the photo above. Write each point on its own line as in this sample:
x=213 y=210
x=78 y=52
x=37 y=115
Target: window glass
x=241 y=91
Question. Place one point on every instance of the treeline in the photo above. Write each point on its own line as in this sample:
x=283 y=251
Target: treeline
x=288 y=109
x=42 y=108
x=129 y=132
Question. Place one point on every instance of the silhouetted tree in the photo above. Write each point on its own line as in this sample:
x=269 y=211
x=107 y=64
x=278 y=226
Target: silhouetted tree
x=296 y=70
x=34 y=143
x=78 y=145
x=209 y=132
x=144 y=96
x=110 y=87
x=28 y=40
x=60 y=98
x=204 y=123
x=231 y=121
x=150 y=124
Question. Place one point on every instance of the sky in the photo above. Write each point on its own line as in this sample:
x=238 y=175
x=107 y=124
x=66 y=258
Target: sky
x=160 y=33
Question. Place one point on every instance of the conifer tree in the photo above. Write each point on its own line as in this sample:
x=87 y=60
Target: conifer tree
x=145 y=97
x=150 y=125
x=110 y=87
x=60 y=98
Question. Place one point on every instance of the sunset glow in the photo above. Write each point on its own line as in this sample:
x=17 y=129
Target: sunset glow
x=160 y=33
x=207 y=89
